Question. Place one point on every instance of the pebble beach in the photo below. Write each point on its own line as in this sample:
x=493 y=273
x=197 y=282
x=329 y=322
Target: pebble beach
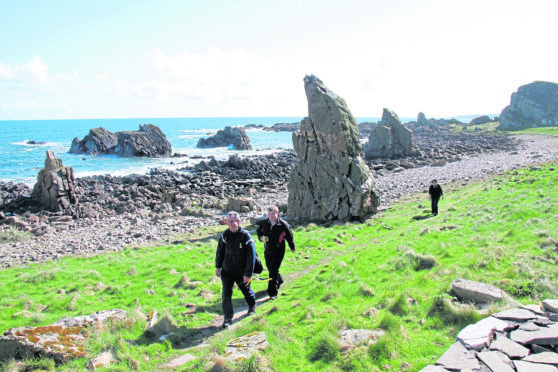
x=113 y=232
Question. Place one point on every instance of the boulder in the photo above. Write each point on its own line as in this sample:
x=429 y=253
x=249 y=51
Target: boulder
x=234 y=137
x=148 y=141
x=330 y=180
x=61 y=341
x=480 y=120
x=477 y=292
x=533 y=105
x=390 y=139
x=55 y=187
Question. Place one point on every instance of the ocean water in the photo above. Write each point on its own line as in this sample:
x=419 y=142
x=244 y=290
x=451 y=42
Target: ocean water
x=21 y=162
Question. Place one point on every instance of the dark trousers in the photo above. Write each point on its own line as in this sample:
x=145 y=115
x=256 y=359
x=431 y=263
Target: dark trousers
x=435 y=205
x=273 y=263
x=228 y=281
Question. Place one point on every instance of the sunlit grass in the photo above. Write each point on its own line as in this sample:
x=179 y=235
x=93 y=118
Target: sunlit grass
x=391 y=273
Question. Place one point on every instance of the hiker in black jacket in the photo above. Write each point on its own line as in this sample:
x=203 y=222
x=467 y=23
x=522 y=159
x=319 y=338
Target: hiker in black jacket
x=434 y=194
x=273 y=232
x=234 y=263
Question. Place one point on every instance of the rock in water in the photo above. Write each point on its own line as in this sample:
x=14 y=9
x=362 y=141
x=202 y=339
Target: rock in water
x=330 y=180
x=230 y=136
x=390 y=139
x=148 y=141
x=55 y=187
x=533 y=105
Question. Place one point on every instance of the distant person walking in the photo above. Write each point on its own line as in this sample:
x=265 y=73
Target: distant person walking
x=234 y=263
x=435 y=192
x=273 y=232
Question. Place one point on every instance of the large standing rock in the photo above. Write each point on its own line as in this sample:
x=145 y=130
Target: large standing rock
x=148 y=141
x=230 y=136
x=55 y=187
x=390 y=139
x=533 y=105
x=330 y=180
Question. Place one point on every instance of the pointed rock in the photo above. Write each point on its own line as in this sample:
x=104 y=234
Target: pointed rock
x=330 y=180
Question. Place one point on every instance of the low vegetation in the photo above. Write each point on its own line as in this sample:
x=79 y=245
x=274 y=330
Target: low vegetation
x=392 y=273
x=13 y=235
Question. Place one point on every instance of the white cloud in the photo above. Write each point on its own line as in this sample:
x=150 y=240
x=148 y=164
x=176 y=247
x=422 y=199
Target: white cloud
x=34 y=71
x=6 y=71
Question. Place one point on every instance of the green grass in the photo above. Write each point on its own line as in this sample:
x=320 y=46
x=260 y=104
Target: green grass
x=392 y=273
x=551 y=131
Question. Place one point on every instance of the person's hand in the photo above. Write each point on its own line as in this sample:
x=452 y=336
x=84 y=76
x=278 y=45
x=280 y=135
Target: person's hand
x=218 y=273
x=246 y=279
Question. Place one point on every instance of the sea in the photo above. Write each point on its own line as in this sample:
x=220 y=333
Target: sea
x=21 y=161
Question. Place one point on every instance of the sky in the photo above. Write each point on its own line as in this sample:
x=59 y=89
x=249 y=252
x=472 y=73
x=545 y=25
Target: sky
x=208 y=58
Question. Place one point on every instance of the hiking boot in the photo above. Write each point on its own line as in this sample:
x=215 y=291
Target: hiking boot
x=226 y=323
x=252 y=310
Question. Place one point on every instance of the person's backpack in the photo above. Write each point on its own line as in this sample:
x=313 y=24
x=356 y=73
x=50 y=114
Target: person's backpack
x=258 y=267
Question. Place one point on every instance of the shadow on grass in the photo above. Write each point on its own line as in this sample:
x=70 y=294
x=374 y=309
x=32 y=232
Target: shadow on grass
x=423 y=217
x=184 y=337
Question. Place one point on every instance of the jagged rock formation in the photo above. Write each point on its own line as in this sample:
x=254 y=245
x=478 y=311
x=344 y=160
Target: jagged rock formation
x=149 y=141
x=424 y=125
x=533 y=105
x=390 y=139
x=330 y=180
x=230 y=136
x=55 y=187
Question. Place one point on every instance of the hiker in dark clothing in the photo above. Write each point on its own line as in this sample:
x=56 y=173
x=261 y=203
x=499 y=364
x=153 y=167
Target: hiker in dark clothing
x=234 y=263
x=273 y=232
x=434 y=194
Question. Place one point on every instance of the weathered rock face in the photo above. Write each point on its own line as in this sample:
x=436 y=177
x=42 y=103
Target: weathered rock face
x=330 y=180
x=230 y=136
x=55 y=187
x=533 y=105
x=148 y=141
x=61 y=341
x=390 y=139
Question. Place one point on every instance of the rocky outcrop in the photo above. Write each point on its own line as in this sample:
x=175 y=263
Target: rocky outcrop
x=61 y=341
x=533 y=105
x=234 y=137
x=519 y=339
x=330 y=180
x=55 y=187
x=480 y=120
x=390 y=139
x=148 y=141
x=278 y=127
x=476 y=292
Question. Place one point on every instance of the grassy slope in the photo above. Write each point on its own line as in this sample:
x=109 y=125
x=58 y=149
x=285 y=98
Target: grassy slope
x=350 y=276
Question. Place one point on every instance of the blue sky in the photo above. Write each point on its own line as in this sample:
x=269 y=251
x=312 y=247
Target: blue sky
x=170 y=58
